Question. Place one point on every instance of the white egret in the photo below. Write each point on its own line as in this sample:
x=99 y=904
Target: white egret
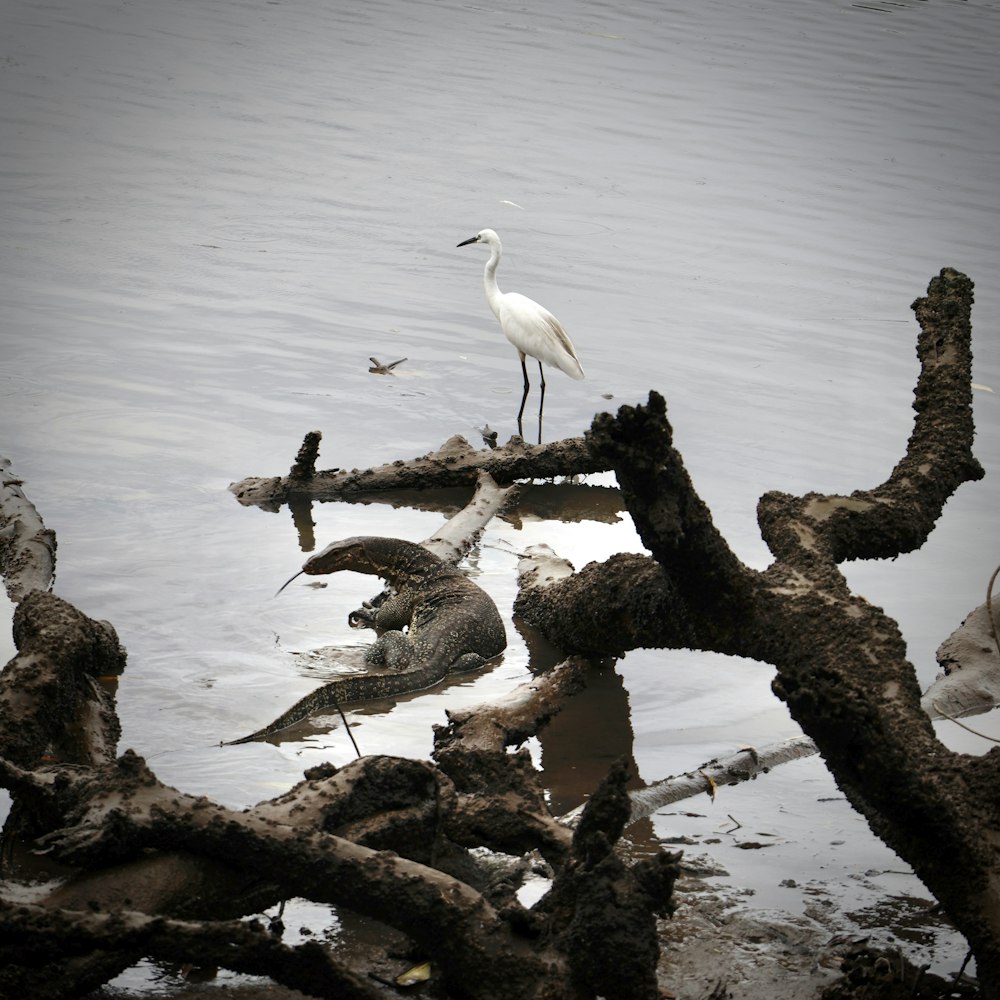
x=530 y=327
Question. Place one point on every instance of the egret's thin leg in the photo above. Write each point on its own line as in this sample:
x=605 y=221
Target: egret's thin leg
x=520 y=412
x=541 y=401
x=524 y=396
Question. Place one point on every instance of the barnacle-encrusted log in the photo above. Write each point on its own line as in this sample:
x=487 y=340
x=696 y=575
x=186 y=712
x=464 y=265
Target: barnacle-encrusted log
x=841 y=662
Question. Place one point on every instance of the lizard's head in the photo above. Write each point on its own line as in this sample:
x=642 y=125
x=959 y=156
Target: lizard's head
x=347 y=554
x=350 y=553
x=386 y=557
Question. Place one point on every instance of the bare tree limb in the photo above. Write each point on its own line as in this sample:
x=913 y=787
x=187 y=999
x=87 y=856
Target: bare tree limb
x=744 y=765
x=453 y=540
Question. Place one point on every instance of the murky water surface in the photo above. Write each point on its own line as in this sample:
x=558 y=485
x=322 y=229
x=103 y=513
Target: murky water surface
x=215 y=213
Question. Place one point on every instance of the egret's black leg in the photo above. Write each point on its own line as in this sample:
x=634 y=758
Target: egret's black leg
x=524 y=397
x=541 y=401
x=520 y=412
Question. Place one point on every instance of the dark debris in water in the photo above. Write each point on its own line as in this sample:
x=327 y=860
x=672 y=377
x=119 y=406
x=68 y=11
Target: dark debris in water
x=874 y=974
x=378 y=368
x=915 y=920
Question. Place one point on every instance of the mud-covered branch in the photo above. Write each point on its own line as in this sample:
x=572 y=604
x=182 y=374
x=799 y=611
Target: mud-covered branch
x=507 y=952
x=673 y=521
x=62 y=656
x=898 y=515
x=694 y=593
x=31 y=934
x=419 y=900
x=474 y=744
x=841 y=663
x=383 y=836
x=455 y=463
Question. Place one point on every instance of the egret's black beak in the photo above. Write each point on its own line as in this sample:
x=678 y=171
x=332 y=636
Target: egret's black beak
x=287 y=582
x=471 y=239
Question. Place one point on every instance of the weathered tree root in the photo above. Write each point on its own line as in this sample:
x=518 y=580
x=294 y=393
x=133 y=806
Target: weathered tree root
x=841 y=663
x=378 y=836
x=122 y=811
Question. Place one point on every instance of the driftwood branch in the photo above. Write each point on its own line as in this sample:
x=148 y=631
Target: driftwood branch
x=455 y=463
x=744 y=765
x=459 y=534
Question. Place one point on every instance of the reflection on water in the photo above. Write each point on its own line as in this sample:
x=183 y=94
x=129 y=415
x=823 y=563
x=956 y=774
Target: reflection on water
x=215 y=215
x=569 y=503
x=566 y=502
x=582 y=742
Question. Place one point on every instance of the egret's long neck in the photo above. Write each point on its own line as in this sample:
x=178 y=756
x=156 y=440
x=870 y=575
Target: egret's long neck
x=493 y=293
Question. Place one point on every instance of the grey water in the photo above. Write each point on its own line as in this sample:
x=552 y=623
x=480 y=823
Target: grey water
x=214 y=214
